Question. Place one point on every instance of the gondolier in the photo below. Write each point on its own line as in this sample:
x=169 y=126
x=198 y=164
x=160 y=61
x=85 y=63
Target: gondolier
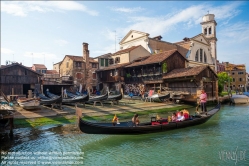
x=203 y=100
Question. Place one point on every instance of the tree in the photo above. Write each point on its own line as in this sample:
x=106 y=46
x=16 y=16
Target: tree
x=223 y=78
x=164 y=67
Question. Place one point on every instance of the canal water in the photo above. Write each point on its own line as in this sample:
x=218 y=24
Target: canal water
x=223 y=140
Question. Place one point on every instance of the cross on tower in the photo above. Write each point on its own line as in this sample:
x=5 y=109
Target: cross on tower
x=208 y=11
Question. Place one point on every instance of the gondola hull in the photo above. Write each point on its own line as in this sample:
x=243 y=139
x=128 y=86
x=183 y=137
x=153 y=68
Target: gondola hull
x=77 y=99
x=114 y=97
x=50 y=101
x=99 y=98
x=127 y=128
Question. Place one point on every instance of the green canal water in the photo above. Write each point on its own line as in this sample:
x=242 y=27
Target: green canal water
x=223 y=140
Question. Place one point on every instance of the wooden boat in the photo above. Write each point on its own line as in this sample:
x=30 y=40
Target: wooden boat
x=44 y=100
x=161 y=97
x=75 y=99
x=98 y=98
x=114 y=97
x=6 y=115
x=149 y=127
x=240 y=99
x=28 y=103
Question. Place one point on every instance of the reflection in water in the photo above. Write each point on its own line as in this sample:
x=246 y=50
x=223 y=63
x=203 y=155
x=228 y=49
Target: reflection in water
x=198 y=145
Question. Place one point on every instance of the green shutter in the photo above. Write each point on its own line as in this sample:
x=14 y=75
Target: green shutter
x=106 y=62
x=102 y=62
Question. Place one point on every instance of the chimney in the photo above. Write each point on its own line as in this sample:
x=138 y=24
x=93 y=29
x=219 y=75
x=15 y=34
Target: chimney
x=85 y=52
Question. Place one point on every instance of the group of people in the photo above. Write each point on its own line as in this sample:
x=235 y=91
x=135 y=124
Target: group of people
x=179 y=117
x=175 y=117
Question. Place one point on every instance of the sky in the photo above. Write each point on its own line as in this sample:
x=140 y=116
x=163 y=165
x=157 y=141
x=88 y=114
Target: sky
x=43 y=32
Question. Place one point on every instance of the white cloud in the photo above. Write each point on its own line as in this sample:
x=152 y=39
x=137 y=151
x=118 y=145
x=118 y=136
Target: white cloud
x=23 y=8
x=235 y=33
x=189 y=17
x=6 y=51
x=128 y=10
x=61 y=42
x=13 y=8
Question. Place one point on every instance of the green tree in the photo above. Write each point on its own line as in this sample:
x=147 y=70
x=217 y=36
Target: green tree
x=223 y=78
x=164 y=67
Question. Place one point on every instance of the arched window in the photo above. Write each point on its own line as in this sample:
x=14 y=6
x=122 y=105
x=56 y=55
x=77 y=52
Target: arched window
x=201 y=50
x=210 y=31
x=205 y=58
x=197 y=55
x=205 y=31
x=201 y=56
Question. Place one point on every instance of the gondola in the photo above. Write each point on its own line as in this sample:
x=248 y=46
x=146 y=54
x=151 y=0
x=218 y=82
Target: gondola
x=161 y=97
x=98 y=98
x=44 y=100
x=149 y=127
x=75 y=99
x=114 y=97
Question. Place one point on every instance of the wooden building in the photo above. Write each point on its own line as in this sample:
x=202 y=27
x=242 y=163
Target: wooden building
x=18 y=79
x=149 y=71
x=111 y=73
x=192 y=80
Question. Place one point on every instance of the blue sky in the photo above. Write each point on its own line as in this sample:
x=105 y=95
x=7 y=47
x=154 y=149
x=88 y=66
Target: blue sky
x=44 y=32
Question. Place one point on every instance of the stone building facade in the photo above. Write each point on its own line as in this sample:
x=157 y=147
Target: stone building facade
x=80 y=70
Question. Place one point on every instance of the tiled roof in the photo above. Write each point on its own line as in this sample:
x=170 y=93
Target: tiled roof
x=114 y=66
x=17 y=64
x=80 y=58
x=58 y=63
x=104 y=56
x=185 y=72
x=92 y=60
x=51 y=72
x=75 y=58
x=39 y=66
x=126 y=50
x=155 y=58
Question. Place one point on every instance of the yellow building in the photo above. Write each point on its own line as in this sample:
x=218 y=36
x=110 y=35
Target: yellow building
x=238 y=74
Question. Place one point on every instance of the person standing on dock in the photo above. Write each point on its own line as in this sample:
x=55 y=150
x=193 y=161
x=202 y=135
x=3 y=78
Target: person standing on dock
x=65 y=93
x=203 y=100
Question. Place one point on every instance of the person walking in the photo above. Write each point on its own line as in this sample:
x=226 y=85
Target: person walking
x=203 y=101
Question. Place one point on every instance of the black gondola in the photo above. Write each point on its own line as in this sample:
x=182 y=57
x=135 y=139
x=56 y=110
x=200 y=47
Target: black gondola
x=44 y=100
x=114 y=97
x=149 y=127
x=73 y=99
x=98 y=98
x=76 y=99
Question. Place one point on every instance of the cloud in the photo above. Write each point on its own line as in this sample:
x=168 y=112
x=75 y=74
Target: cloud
x=127 y=10
x=235 y=33
x=23 y=8
x=61 y=42
x=6 y=51
x=186 y=18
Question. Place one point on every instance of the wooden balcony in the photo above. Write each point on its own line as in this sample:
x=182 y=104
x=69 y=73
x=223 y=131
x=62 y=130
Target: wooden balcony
x=112 y=79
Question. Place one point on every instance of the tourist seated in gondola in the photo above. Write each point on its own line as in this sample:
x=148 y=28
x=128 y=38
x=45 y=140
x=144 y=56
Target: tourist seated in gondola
x=181 y=117
x=174 y=117
x=135 y=120
x=115 y=120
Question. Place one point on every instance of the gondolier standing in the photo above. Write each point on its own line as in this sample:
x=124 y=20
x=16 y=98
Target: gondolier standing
x=203 y=100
